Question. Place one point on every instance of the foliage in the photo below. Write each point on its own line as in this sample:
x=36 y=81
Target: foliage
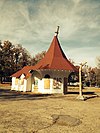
x=21 y=57
x=98 y=61
x=89 y=76
x=97 y=71
x=12 y=58
x=38 y=57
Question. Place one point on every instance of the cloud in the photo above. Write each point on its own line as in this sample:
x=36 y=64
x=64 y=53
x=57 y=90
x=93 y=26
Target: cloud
x=86 y=54
x=33 y=23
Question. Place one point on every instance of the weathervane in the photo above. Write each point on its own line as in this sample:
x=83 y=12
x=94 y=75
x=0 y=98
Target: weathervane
x=57 y=32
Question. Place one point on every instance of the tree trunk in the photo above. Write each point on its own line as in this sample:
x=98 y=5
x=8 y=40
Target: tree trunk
x=1 y=80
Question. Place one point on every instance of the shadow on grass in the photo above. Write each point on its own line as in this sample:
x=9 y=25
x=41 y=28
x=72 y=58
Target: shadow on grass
x=6 y=94
x=88 y=94
x=84 y=93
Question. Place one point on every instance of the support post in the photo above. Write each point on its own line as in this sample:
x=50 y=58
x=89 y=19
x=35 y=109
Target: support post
x=80 y=96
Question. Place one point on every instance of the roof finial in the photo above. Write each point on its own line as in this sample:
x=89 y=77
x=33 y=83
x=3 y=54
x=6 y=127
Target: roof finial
x=57 y=32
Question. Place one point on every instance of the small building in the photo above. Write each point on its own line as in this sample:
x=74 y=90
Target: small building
x=50 y=75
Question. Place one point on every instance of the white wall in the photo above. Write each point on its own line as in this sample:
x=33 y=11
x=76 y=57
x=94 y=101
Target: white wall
x=19 y=86
x=28 y=84
x=49 y=90
x=54 y=74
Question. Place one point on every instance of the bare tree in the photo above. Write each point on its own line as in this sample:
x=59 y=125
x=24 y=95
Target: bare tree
x=98 y=61
x=38 y=57
x=98 y=71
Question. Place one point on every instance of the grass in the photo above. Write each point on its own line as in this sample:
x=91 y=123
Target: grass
x=27 y=113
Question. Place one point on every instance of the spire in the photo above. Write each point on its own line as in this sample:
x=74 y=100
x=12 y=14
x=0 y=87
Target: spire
x=55 y=58
x=57 y=32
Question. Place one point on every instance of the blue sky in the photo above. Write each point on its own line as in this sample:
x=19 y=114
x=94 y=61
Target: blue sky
x=32 y=24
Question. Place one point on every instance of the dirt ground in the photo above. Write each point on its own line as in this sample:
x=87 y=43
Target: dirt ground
x=30 y=113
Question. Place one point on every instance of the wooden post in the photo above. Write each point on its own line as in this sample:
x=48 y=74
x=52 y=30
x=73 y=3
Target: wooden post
x=80 y=96
x=80 y=80
x=65 y=86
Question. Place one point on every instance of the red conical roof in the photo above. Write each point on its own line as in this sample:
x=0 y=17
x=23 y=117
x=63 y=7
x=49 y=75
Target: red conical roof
x=55 y=58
